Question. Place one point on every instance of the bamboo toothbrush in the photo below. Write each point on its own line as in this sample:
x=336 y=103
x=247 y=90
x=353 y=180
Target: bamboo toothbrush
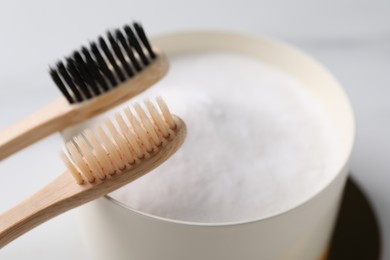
x=92 y=81
x=98 y=162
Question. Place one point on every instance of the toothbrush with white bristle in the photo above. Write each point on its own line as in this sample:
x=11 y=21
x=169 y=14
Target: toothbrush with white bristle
x=99 y=161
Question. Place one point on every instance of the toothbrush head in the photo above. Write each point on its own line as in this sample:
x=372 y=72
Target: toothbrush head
x=116 y=146
x=105 y=64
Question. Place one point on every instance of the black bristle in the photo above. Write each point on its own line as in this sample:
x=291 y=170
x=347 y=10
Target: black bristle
x=57 y=80
x=142 y=36
x=119 y=55
x=85 y=73
x=72 y=68
x=102 y=64
x=89 y=72
x=93 y=68
x=110 y=57
x=133 y=42
x=68 y=79
x=129 y=52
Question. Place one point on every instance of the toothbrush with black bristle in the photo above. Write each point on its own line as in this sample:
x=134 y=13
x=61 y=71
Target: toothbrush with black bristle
x=92 y=80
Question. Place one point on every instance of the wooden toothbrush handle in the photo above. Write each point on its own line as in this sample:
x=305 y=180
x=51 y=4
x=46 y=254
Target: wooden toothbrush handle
x=61 y=195
x=33 y=128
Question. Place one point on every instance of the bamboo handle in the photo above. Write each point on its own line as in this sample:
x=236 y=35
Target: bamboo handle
x=38 y=125
x=49 y=202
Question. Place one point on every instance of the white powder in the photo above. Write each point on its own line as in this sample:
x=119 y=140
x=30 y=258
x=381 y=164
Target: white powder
x=258 y=143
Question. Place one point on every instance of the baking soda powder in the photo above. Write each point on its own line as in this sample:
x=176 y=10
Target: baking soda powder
x=259 y=143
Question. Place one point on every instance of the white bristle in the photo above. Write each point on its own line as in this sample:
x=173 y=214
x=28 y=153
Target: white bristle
x=111 y=149
x=157 y=118
x=166 y=113
x=139 y=131
x=129 y=136
x=115 y=146
x=89 y=156
x=147 y=124
x=100 y=152
x=79 y=161
x=120 y=142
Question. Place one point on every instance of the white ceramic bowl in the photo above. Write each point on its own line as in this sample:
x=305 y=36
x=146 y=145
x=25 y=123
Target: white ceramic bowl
x=115 y=231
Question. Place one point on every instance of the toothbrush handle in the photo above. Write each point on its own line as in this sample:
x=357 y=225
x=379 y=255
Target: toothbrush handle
x=33 y=128
x=61 y=195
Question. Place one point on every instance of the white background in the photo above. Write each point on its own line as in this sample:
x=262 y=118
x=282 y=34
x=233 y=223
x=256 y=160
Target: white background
x=351 y=37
